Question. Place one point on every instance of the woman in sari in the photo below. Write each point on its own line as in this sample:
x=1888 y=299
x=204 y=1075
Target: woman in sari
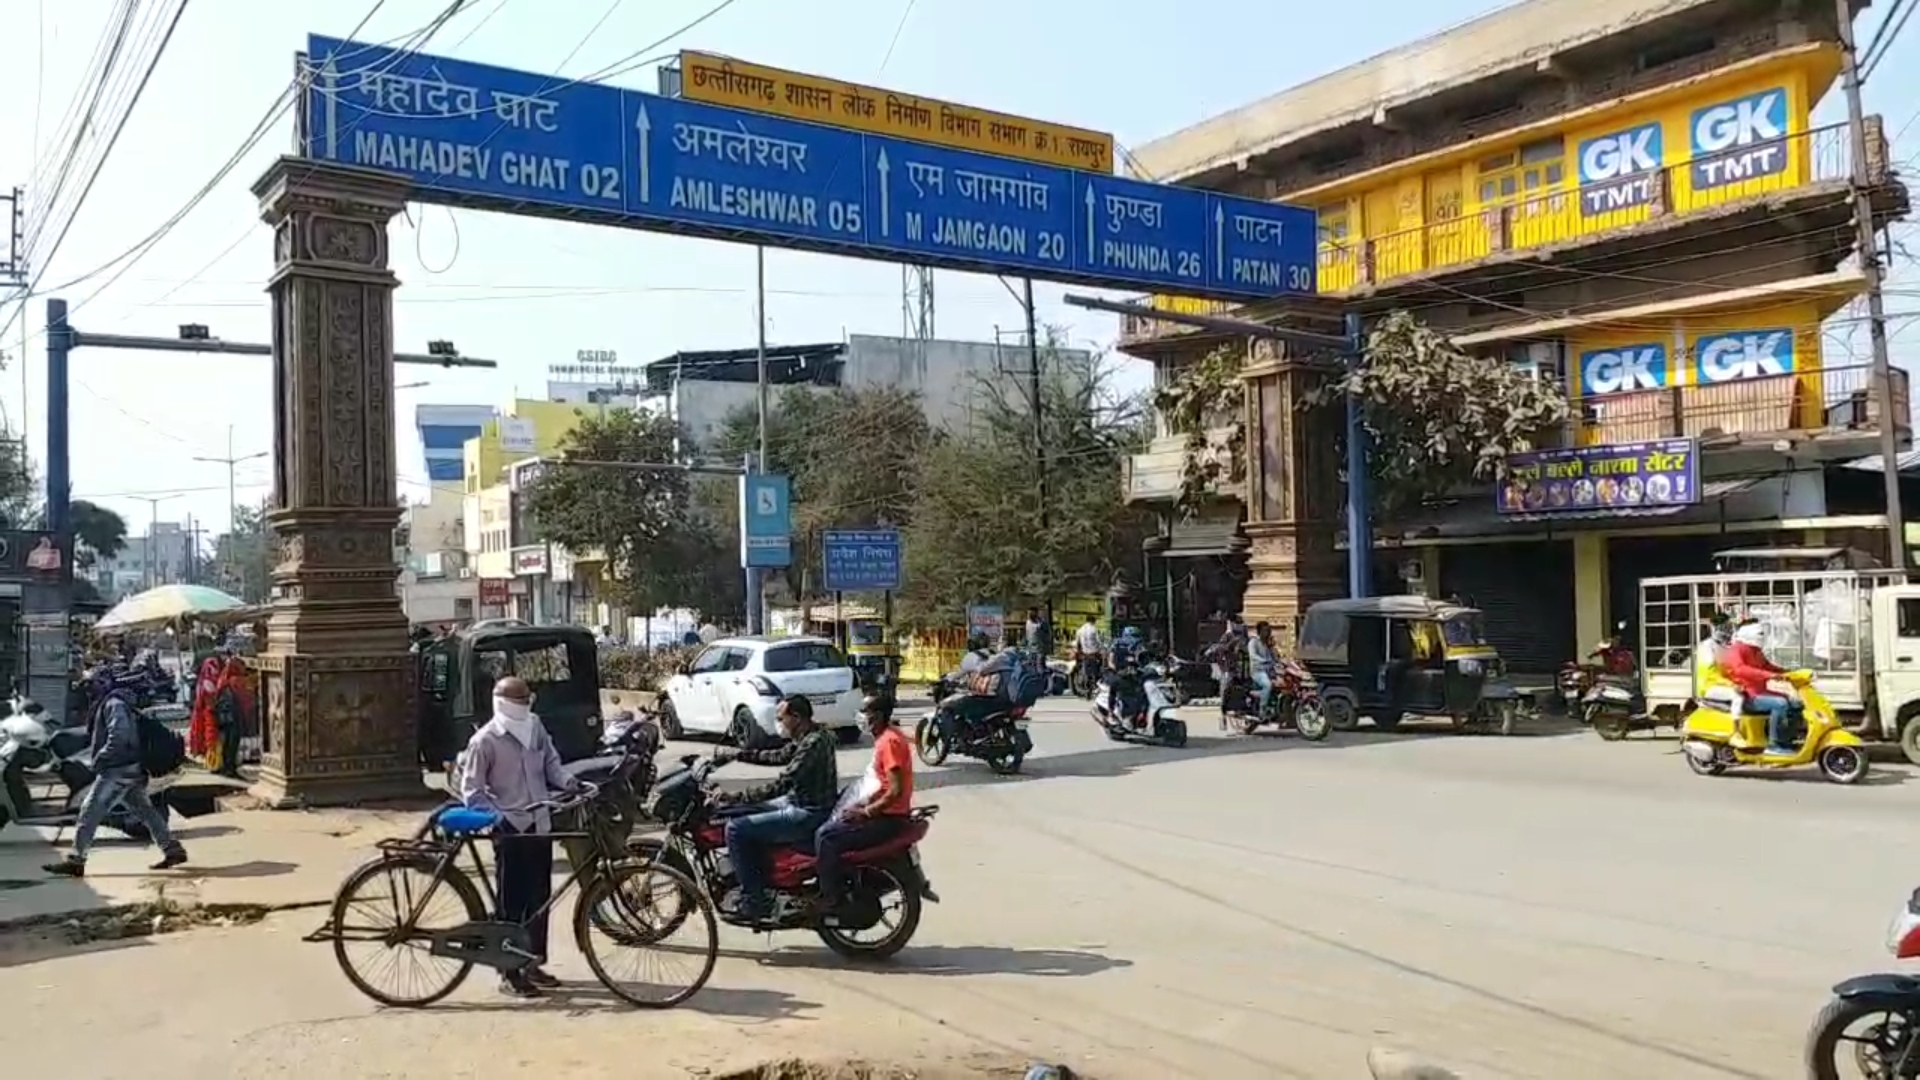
x=203 y=734
x=232 y=717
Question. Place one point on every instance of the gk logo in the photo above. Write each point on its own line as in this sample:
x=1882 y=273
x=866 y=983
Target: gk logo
x=1749 y=120
x=1624 y=153
x=1757 y=354
x=1623 y=370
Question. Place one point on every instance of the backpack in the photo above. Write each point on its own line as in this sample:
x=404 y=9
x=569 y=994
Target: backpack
x=162 y=751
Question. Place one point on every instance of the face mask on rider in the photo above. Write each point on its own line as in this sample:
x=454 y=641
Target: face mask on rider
x=518 y=717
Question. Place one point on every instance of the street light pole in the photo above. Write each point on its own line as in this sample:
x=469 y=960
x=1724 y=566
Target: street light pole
x=149 y=562
x=232 y=463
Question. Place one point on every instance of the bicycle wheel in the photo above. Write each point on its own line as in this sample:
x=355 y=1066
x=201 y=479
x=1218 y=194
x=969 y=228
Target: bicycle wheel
x=635 y=891
x=372 y=907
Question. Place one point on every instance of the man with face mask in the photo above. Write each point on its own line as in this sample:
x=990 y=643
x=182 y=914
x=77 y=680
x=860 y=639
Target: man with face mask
x=510 y=766
x=1747 y=665
x=796 y=803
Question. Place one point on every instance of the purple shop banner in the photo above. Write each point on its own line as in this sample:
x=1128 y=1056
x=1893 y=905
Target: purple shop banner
x=1585 y=479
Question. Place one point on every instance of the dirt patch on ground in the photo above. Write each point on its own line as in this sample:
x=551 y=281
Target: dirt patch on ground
x=799 y=1069
x=42 y=938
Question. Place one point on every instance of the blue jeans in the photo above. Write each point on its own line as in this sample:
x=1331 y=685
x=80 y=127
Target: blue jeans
x=111 y=789
x=836 y=838
x=751 y=836
x=1779 y=710
x=1263 y=691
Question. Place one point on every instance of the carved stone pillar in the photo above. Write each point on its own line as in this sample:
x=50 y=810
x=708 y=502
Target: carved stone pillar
x=1293 y=487
x=337 y=678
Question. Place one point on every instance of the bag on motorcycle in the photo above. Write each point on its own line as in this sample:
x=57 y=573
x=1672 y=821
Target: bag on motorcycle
x=1010 y=678
x=162 y=751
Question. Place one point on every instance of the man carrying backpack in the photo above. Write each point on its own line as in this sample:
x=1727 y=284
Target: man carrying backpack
x=126 y=751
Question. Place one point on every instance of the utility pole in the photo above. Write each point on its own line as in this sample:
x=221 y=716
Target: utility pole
x=1872 y=270
x=756 y=577
x=1039 y=420
x=232 y=463
x=149 y=558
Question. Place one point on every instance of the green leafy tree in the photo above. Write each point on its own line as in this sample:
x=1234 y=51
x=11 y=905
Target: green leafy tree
x=1440 y=417
x=99 y=532
x=978 y=528
x=851 y=455
x=242 y=562
x=641 y=518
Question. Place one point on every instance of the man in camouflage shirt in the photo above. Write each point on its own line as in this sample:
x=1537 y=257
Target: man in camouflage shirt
x=797 y=802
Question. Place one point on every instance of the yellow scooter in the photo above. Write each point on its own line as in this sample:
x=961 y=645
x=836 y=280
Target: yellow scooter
x=1707 y=739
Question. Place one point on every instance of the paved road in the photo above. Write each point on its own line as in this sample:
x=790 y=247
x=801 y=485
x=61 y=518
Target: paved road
x=1526 y=907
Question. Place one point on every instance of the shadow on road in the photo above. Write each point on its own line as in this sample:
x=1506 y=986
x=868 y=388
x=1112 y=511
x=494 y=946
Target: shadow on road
x=950 y=960
x=583 y=998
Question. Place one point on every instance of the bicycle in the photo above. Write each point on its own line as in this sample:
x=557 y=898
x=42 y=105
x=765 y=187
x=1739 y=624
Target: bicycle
x=601 y=866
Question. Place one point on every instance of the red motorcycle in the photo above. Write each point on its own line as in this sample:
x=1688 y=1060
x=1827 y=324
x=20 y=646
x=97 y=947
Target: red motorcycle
x=1294 y=703
x=886 y=874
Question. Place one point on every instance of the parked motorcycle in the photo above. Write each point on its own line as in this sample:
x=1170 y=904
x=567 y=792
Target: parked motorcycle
x=1604 y=692
x=977 y=726
x=695 y=843
x=1130 y=706
x=1294 y=703
x=1889 y=1044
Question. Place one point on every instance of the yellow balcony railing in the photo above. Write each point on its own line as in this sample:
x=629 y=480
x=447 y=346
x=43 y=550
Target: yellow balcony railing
x=1823 y=155
x=1829 y=400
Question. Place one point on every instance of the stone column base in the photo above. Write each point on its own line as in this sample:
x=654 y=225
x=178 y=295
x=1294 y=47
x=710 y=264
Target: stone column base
x=338 y=730
x=1291 y=566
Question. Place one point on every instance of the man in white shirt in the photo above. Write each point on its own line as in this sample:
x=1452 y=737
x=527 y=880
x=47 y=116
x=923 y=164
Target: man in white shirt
x=1089 y=646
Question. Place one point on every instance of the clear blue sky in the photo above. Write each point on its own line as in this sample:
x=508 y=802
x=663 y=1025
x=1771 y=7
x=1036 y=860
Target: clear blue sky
x=532 y=292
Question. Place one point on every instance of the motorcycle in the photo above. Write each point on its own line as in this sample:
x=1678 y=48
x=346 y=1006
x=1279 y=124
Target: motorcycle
x=1890 y=1046
x=1084 y=677
x=989 y=729
x=1130 y=706
x=1708 y=732
x=695 y=843
x=1294 y=703
x=1606 y=695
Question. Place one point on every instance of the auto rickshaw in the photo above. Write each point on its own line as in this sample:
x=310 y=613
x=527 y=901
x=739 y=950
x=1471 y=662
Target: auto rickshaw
x=871 y=653
x=456 y=674
x=1387 y=657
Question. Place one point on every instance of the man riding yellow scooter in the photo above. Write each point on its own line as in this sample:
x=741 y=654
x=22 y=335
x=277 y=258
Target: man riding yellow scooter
x=1733 y=680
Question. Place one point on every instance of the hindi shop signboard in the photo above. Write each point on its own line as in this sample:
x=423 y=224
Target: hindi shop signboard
x=1586 y=479
x=737 y=84
x=866 y=560
x=516 y=142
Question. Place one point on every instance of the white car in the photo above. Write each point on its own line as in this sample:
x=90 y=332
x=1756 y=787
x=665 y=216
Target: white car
x=733 y=689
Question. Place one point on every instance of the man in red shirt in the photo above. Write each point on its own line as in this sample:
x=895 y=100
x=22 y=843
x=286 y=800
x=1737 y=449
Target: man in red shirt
x=873 y=810
x=1746 y=664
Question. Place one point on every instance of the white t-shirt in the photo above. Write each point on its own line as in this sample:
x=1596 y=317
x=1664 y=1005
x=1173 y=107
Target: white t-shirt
x=970 y=662
x=1088 y=639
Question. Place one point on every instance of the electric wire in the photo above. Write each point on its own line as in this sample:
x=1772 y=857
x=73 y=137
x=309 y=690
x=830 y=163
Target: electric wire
x=37 y=219
x=128 y=258
x=113 y=140
x=1884 y=37
x=66 y=129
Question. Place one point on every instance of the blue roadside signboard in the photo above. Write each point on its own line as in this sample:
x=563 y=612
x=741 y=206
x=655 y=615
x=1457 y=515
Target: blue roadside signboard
x=766 y=521
x=866 y=560
x=517 y=142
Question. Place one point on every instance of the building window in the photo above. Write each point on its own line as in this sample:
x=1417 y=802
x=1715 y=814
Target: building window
x=1335 y=225
x=1673 y=52
x=1535 y=170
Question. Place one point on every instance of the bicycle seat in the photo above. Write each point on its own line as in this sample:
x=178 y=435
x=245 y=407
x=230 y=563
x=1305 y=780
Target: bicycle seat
x=465 y=821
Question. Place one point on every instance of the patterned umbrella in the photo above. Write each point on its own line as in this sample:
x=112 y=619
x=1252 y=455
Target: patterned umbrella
x=158 y=607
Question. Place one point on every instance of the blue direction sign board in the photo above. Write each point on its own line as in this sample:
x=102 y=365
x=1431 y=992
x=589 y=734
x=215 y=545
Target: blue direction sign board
x=861 y=561
x=766 y=521
x=515 y=141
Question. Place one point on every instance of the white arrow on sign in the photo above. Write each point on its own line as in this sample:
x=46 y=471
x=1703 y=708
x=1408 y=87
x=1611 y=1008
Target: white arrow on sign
x=645 y=127
x=880 y=163
x=330 y=77
x=1091 y=230
x=1220 y=241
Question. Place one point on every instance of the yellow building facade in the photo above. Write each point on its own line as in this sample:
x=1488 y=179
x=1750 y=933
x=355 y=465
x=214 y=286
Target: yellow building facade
x=1631 y=201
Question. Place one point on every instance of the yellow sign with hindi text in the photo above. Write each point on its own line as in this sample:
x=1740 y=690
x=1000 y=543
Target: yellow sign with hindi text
x=737 y=84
